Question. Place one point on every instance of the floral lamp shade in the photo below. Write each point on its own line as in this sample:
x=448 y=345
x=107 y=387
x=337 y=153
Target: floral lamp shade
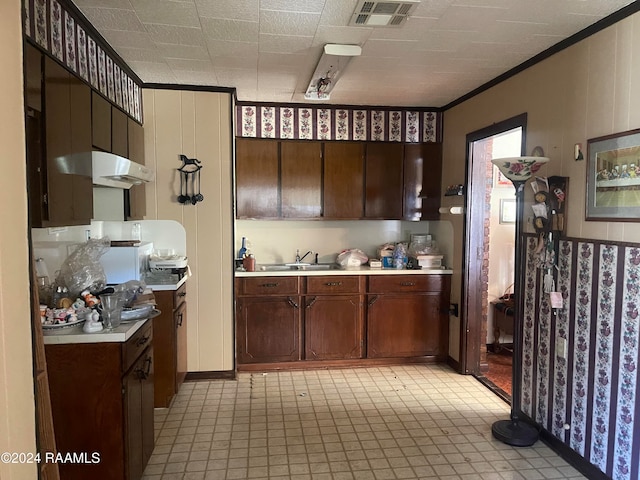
x=519 y=169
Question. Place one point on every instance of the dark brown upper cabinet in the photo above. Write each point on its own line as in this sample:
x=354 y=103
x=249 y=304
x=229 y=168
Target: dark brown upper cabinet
x=423 y=177
x=301 y=179
x=101 y=122
x=343 y=180
x=119 y=133
x=383 y=180
x=137 y=199
x=257 y=178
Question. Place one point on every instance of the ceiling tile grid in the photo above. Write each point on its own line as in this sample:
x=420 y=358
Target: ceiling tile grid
x=268 y=49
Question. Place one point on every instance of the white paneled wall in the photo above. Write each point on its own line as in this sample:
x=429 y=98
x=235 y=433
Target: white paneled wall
x=198 y=125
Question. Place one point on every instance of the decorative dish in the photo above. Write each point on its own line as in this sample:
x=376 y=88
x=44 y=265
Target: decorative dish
x=135 y=315
x=57 y=326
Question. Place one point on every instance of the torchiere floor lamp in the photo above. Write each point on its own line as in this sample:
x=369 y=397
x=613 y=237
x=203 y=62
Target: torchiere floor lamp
x=513 y=431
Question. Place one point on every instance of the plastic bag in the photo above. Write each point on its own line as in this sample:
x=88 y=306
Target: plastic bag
x=352 y=257
x=82 y=269
x=128 y=291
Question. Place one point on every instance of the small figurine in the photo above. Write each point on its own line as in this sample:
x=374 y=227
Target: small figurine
x=92 y=323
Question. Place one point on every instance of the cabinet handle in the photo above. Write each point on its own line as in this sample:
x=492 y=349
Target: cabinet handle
x=269 y=285
x=292 y=303
x=407 y=284
x=180 y=322
x=333 y=284
x=143 y=373
x=142 y=341
x=182 y=294
x=373 y=300
x=313 y=300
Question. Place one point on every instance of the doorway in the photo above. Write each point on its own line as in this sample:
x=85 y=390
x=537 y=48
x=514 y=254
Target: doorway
x=489 y=242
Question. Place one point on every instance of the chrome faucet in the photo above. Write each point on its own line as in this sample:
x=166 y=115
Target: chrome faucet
x=299 y=258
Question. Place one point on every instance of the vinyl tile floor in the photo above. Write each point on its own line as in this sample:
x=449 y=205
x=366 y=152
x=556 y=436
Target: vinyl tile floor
x=398 y=422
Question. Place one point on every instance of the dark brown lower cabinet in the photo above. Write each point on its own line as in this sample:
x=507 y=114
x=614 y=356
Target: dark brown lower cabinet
x=341 y=318
x=170 y=344
x=102 y=404
x=268 y=329
x=333 y=327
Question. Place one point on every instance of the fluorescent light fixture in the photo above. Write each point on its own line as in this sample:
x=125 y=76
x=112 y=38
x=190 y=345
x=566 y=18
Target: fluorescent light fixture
x=331 y=65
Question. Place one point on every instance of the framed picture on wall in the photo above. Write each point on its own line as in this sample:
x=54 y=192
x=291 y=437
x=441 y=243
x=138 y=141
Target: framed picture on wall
x=507 y=210
x=613 y=177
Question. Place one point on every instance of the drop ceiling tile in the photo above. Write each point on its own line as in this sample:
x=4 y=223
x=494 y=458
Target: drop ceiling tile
x=347 y=35
x=234 y=30
x=234 y=61
x=123 y=4
x=288 y=23
x=238 y=77
x=153 y=72
x=192 y=52
x=166 y=12
x=244 y=49
x=190 y=65
x=338 y=12
x=175 y=35
x=122 y=38
x=284 y=43
x=113 y=19
x=247 y=10
x=309 y=6
x=289 y=61
x=190 y=77
x=386 y=48
x=140 y=55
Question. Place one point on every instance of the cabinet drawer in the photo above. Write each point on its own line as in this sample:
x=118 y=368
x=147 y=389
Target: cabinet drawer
x=271 y=286
x=136 y=345
x=334 y=284
x=405 y=283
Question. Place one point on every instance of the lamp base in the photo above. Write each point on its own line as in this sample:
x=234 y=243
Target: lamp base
x=515 y=433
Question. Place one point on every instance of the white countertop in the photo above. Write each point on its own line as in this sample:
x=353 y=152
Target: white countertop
x=364 y=270
x=75 y=334
x=168 y=286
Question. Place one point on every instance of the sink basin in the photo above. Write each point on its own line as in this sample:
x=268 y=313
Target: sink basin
x=283 y=267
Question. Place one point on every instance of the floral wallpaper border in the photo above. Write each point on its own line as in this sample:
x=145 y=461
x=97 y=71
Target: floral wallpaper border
x=302 y=122
x=57 y=31
x=590 y=400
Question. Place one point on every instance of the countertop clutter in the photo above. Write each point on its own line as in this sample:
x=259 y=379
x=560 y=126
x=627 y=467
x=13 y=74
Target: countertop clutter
x=362 y=270
x=74 y=334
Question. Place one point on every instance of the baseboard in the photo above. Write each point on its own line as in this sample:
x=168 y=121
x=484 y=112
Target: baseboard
x=572 y=457
x=326 y=364
x=211 y=375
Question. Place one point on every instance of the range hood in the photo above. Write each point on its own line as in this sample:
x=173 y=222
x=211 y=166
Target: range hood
x=111 y=170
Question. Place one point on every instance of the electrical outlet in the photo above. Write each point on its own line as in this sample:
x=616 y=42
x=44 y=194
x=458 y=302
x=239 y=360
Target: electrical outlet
x=561 y=347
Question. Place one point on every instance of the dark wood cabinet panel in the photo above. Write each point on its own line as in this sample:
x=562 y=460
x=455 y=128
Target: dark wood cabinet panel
x=100 y=122
x=333 y=327
x=332 y=284
x=170 y=344
x=257 y=178
x=82 y=184
x=33 y=77
x=301 y=179
x=343 y=180
x=115 y=414
x=137 y=193
x=402 y=325
x=268 y=329
x=270 y=286
x=119 y=133
x=423 y=178
x=383 y=180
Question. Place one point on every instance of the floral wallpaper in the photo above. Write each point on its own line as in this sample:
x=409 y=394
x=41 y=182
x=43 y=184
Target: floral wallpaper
x=55 y=29
x=303 y=122
x=588 y=400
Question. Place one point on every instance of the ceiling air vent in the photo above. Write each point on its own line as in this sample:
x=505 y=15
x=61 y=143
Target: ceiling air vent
x=382 y=14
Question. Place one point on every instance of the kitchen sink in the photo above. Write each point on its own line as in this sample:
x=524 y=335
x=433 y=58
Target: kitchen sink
x=284 y=267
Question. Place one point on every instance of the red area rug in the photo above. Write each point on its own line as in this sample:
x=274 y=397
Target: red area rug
x=500 y=370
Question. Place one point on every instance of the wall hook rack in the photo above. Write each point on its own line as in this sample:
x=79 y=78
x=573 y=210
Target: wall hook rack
x=189 y=176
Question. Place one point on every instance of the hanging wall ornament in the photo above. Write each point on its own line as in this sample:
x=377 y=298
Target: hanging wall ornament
x=190 y=181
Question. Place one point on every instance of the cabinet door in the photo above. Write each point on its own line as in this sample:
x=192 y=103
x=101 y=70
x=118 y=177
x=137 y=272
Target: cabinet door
x=100 y=122
x=82 y=183
x=383 y=180
x=119 y=133
x=301 y=179
x=403 y=325
x=333 y=327
x=33 y=77
x=180 y=325
x=257 y=178
x=422 y=180
x=58 y=195
x=343 y=188
x=268 y=329
x=137 y=195
x=164 y=343
x=138 y=401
